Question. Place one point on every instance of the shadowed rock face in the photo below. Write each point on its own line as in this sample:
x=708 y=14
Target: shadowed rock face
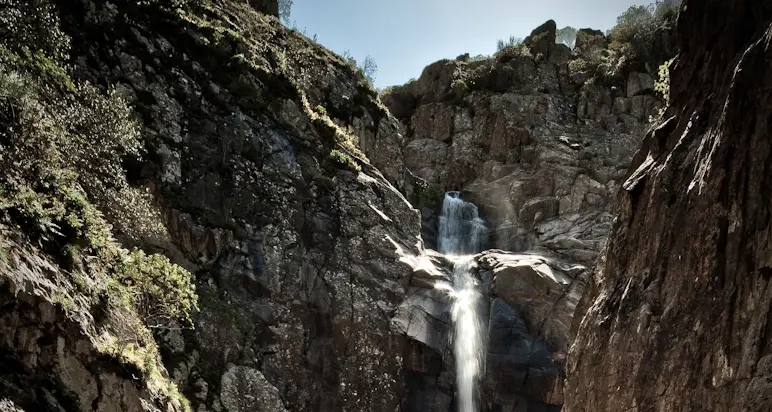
x=679 y=312
x=293 y=247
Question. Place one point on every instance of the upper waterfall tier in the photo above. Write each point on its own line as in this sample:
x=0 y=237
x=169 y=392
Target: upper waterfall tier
x=461 y=230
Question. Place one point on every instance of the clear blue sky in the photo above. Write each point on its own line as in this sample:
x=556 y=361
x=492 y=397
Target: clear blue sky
x=406 y=35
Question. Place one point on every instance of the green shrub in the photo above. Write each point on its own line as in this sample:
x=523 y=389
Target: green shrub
x=161 y=292
x=429 y=195
x=577 y=65
x=662 y=86
x=459 y=88
x=32 y=25
x=345 y=160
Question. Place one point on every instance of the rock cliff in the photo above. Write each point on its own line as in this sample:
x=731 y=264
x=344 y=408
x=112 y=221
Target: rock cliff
x=240 y=156
x=533 y=136
x=289 y=231
x=679 y=309
x=244 y=169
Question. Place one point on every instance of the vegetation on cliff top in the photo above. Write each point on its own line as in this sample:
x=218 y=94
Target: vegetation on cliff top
x=638 y=42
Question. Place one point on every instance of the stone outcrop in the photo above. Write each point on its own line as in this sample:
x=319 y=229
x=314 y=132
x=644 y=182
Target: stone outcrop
x=529 y=306
x=530 y=136
x=678 y=313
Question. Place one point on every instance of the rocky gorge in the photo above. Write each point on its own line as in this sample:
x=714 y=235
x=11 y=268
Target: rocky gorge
x=203 y=210
x=540 y=144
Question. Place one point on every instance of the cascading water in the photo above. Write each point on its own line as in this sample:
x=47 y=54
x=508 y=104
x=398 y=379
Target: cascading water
x=461 y=230
x=461 y=234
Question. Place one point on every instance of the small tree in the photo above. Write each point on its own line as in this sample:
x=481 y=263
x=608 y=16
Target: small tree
x=285 y=10
x=567 y=36
x=513 y=41
x=368 y=68
x=160 y=291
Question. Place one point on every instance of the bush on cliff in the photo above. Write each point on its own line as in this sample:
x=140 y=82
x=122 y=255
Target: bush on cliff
x=636 y=39
x=662 y=87
x=62 y=146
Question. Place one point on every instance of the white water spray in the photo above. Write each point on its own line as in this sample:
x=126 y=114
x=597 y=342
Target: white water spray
x=460 y=235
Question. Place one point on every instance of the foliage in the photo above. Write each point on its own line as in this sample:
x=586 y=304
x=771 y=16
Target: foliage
x=459 y=88
x=346 y=152
x=662 y=86
x=567 y=36
x=386 y=90
x=60 y=152
x=512 y=42
x=636 y=43
x=285 y=11
x=160 y=291
x=634 y=38
x=577 y=65
x=62 y=146
x=344 y=159
x=32 y=24
x=429 y=195
x=368 y=68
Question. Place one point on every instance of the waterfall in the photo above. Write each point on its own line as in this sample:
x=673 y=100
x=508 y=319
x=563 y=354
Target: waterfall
x=461 y=229
x=461 y=234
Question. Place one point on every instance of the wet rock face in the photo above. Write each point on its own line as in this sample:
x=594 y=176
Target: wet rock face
x=679 y=311
x=528 y=310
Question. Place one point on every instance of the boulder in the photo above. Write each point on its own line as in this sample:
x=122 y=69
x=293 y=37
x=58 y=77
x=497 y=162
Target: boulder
x=244 y=389
x=542 y=39
x=639 y=83
x=590 y=42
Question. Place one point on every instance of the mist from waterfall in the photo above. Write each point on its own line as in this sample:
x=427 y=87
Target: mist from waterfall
x=461 y=234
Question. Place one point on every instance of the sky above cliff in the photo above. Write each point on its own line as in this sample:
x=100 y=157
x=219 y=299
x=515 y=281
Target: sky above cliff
x=406 y=35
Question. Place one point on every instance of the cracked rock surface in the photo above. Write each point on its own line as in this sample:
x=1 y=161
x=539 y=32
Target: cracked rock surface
x=678 y=314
